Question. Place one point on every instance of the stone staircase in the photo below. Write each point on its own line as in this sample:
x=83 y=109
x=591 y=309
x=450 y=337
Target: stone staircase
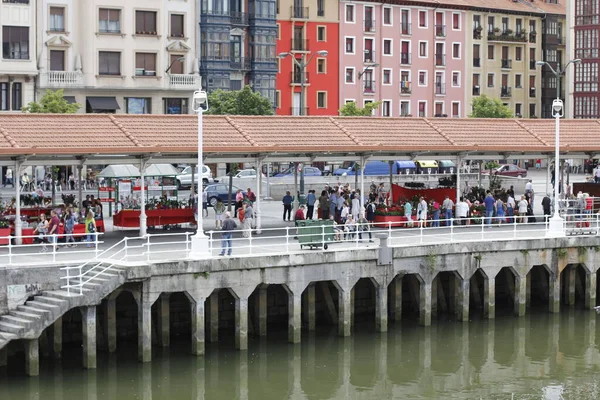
x=29 y=320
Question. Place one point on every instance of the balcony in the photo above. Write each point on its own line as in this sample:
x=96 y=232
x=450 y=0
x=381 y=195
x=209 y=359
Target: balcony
x=299 y=12
x=239 y=18
x=506 y=36
x=532 y=37
x=183 y=81
x=369 y=25
x=505 y=91
x=506 y=63
x=299 y=111
x=477 y=32
x=369 y=87
x=296 y=78
x=440 y=88
x=62 y=79
x=240 y=63
x=440 y=60
x=440 y=30
x=404 y=58
x=405 y=87
x=532 y=92
x=476 y=62
x=369 y=57
x=300 y=44
x=406 y=28
x=476 y=91
x=532 y=64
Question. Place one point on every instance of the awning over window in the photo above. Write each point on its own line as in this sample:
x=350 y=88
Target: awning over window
x=70 y=99
x=103 y=103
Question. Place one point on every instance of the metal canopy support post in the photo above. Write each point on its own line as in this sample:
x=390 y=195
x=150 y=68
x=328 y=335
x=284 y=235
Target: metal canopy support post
x=18 y=222
x=80 y=186
x=458 y=162
x=143 y=218
x=268 y=191
x=258 y=191
x=547 y=174
x=296 y=197
x=193 y=186
x=362 y=183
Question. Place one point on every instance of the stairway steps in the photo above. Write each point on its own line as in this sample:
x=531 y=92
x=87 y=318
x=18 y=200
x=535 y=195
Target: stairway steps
x=11 y=328
x=60 y=294
x=99 y=279
x=34 y=310
x=50 y=300
x=44 y=306
x=15 y=320
x=25 y=315
x=8 y=336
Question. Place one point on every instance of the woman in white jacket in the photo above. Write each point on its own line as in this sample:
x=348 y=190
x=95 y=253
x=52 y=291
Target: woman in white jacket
x=355 y=206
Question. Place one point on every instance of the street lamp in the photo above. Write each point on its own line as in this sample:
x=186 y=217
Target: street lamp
x=180 y=59
x=556 y=223
x=200 y=247
x=302 y=64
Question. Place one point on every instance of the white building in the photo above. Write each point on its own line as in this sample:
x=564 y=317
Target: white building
x=18 y=62
x=134 y=56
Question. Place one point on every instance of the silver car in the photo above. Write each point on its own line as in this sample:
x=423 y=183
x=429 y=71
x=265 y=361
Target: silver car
x=184 y=179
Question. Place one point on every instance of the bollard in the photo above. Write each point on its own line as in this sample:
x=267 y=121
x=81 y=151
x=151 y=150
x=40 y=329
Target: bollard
x=385 y=251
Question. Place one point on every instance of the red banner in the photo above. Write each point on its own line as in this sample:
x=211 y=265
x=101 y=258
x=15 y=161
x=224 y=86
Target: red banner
x=438 y=195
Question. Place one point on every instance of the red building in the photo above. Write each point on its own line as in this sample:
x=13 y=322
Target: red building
x=305 y=30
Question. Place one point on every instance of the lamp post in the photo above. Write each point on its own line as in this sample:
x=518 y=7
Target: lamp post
x=302 y=64
x=556 y=223
x=200 y=246
x=180 y=59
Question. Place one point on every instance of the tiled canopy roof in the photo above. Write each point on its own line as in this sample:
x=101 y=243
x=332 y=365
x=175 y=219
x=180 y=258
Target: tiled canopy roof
x=26 y=134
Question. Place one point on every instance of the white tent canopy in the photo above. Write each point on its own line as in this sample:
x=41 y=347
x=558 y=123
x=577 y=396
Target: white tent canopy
x=131 y=171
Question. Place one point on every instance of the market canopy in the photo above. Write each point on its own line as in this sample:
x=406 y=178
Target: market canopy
x=131 y=171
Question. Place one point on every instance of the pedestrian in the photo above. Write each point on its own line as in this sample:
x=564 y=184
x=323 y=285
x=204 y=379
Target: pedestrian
x=422 y=212
x=340 y=202
x=596 y=174
x=546 y=204
x=53 y=228
x=490 y=204
x=239 y=199
x=462 y=211
x=364 y=226
x=311 y=199
x=248 y=218
x=250 y=195
x=523 y=209
x=324 y=205
x=333 y=196
x=349 y=228
x=355 y=206
x=500 y=210
x=72 y=181
x=511 y=191
x=529 y=187
x=371 y=208
x=299 y=216
x=228 y=226
x=447 y=206
x=69 y=227
x=219 y=210
x=40 y=230
x=408 y=213
x=287 y=205
x=9 y=178
x=538 y=164
x=90 y=228
x=381 y=193
x=204 y=203
x=510 y=208
x=344 y=213
x=436 y=214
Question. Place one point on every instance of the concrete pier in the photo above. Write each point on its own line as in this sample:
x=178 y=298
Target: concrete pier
x=294 y=317
x=261 y=300
x=489 y=298
x=57 y=338
x=213 y=316
x=197 y=307
x=241 y=323
x=344 y=313
x=381 y=308
x=32 y=357
x=88 y=322
x=425 y=304
x=110 y=323
x=311 y=306
x=164 y=320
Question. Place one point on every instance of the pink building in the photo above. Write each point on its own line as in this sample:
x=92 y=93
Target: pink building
x=410 y=58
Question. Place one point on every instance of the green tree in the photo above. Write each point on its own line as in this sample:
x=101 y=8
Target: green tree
x=351 y=110
x=238 y=102
x=484 y=107
x=52 y=102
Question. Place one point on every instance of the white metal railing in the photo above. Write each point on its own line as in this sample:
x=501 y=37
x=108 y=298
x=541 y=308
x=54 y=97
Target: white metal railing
x=65 y=78
x=183 y=80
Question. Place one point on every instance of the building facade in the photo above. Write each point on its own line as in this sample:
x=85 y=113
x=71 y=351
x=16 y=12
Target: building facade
x=306 y=27
x=18 y=63
x=136 y=57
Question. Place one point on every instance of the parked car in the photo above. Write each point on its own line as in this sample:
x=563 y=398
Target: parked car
x=380 y=168
x=242 y=174
x=220 y=191
x=308 y=171
x=508 y=170
x=184 y=179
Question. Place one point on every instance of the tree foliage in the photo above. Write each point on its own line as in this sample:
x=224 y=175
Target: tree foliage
x=484 y=107
x=351 y=110
x=238 y=102
x=52 y=102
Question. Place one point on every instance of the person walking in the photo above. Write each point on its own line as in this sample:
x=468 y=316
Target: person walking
x=228 y=226
x=90 y=228
x=462 y=211
x=370 y=211
x=324 y=205
x=500 y=210
x=546 y=205
x=41 y=229
x=523 y=204
x=287 y=205
x=219 y=210
x=364 y=226
x=408 y=213
x=447 y=206
x=204 y=203
x=490 y=204
x=239 y=199
x=311 y=199
x=436 y=214
x=422 y=213
x=355 y=206
x=9 y=178
x=510 y=208
x=248 y=218
x=69 y=227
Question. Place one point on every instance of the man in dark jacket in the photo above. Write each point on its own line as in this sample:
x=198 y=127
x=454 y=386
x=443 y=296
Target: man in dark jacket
x=546 y=203
x=287 y=205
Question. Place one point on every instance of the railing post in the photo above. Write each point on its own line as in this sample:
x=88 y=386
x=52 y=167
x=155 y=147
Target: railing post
x=452 y=233
x=126 y=248
x=80 y=281
x=323 y=237
x=211 y=240
x=54 y=244
x=68 y=281
x=148 y=247
x=483 y=227
x=250 y=240
x=389 y=232
x=356 y=234
x=10 y=249
x=287 y=239
x=96 y=250
x=187 y=238
x=421 y=232
x=514 y=228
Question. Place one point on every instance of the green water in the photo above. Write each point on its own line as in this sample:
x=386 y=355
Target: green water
x=541 y=356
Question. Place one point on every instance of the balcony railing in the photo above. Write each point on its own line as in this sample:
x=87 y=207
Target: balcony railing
x=505 y=91
x=300 y=44
x=296 y=78
x=405 y=87
x=532 y=92
x=369 y=56
x=440 y=60
x=404 y=58
x=405 y=28
x=506 y=63
x=63 y=79
x=506 y=36
x=532 y=64
x=16 y=1
x=440 y=88
x=532 y=37
x=440 y=30
x=477 y=32
x=299 y=12
x=240 y=63
x=476 y=90
x=369 y=86
x=369 y=25
x=476 y=62
x=239 y=18
x=299 y=111
x=184 y=81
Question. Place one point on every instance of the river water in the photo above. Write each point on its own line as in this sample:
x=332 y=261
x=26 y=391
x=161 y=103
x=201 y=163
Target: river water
x=539 y=356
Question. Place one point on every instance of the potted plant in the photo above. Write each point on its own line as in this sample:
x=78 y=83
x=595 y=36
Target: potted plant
x=4 y=231
x=393 y=214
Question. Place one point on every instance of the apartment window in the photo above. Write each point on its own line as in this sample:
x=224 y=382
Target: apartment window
x=422 y=49
x=456 y=21
x=518 y=81
x=422 y=78
x=404 y=108
x=349 y=13
x=456 y=50
x=321 y=66
x=175 y=106
x=109 y=20
x=387 y=47
x=422 y=109
x=518 y=53
x=386 y=108
x=349 y=75
x=109 y=63
x=490 y=80
x=455 y=109
x=349 y=45
x=145 y=64
x=518 y=110
x=456 y=79
x=145 y=22
x=176 y=64
x=504 y=25
x=476 y=21
x=423 y=19
x=177 y=25
x=321 y=99
x=491 y=52
x=57 y=60
x=387 y=76
x=532 y=110
x=278 y=98
x=320 y=8
x=57 y=19
x=137 y=105
x=321 y=34
x=491 y=24
x=387 y=16
x=4 y=98
x=15 y=43
x=17 y=96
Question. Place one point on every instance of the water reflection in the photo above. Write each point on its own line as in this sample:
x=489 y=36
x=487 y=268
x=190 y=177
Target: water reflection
x=548 y=356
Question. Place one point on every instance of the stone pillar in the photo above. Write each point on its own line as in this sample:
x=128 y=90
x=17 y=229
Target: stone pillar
x=295 y=317
x=352 y=302
x=463 y=297
x=425 y=304
x=3 y=356
x=345 y=308
x=88 y=321
x=590 y=290
x=529 y=279
x=397 y=299
x=213 y=305
x=520 y=295
x=261 y=299
x=381 y=308
x=434 y=297
x=489 y=298
x=145 y=302
x=241 y=323
x=554 y=293
x=164 y=319
x=572 y=275
x=197 y=307
x=110 y=323
x=57 y=335
x=311 y=306
x=32 y=352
